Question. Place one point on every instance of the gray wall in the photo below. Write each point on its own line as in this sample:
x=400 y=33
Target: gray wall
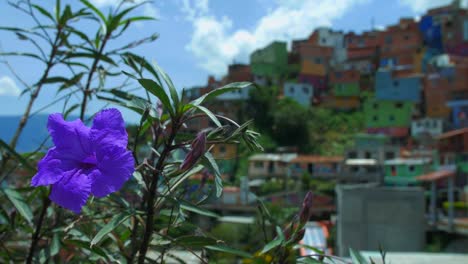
x=369 y=216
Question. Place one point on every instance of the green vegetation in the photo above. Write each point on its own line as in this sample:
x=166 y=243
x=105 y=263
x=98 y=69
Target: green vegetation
x=312 y=130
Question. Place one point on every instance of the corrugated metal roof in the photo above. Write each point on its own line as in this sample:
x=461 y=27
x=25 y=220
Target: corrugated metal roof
x=286 y=157
x=414 y=161
x=361 y=162
x=316 y=159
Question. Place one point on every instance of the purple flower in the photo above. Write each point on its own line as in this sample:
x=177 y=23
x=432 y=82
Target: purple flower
x=85 y=160
x=198 y=149
x=306 y=209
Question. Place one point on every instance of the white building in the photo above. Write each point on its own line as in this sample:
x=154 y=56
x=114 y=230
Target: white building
x=427 y=126
x=300 y=92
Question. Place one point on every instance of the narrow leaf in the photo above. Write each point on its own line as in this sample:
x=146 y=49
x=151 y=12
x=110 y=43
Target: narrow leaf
x=154 y=88
x=271 y=245
x=17 y=156
x=229 y=251
x=227 y=88
x=20 y=204
x=109 y=227
x=196 y=209
x=210 y=162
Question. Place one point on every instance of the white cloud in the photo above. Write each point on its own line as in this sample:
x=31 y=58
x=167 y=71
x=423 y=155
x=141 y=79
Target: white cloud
x=102 y=3
x=8 y=87
x=420 y=6
x=215 y=44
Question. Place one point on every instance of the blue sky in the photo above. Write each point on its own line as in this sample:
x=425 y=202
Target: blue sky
x=200 y=37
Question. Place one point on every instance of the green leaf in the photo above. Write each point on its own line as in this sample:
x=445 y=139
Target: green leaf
x=170 y=85
x=43 y=11
x=271 y=245
x=20 y=204
x=227 y=88
x=55 y=245
x=25 y=54
x=209 y=114
x=130 y=59
x=109 y=227
x=309 y=260
x=356 y=257
x=210 y=162
x=17 y=156
x=92 y=7
x=194 y=241
x=229 y=251
x=137 y=18
x=70 y=82
x=196 y=209
x=154 y=88
x=56 y=79
x=103 y=57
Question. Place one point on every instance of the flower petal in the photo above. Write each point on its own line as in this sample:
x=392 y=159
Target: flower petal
x=109 y=128
x=72 y=191
x=72 y=137
x=51 y=168
x=116 y=166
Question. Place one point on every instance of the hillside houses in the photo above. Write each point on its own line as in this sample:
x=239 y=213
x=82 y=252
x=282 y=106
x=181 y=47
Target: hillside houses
x=410 y=80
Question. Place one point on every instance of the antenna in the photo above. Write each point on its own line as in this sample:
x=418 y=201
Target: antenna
x=372 y=23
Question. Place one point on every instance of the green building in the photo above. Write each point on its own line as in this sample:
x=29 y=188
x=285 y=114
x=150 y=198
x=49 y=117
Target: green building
x=271 y=61
x=346 y=89
x=387 y=114
x=363 y=140
x=404 y=171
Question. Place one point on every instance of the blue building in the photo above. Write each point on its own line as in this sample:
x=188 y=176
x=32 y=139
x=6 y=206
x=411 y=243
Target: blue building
x=459 y=113
x=431 y=33
x=392 y=88
x=299 y=92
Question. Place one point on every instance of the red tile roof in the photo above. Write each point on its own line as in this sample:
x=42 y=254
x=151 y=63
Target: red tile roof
x=436 y=175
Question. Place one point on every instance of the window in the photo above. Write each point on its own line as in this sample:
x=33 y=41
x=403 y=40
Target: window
x=396 y=83
x=291 y=89
x=305 y=89
x=391 y=118
x=375 y=118
x=324 y=40
x=367 y=155
x=465 y=30
x=375 y=105
x=399 y=105
x=222 y=149
x=388 y=39
x=258 y=164
x=389 y=155
x=352 y=155
x=407 y=37
x=354 y=169
x=393 y=170
x=318 y=60
x=411 y=168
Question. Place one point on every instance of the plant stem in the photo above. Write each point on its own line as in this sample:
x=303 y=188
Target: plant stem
x=36 y=235
x=34 y=94
x=86 y=91
x=149 y=223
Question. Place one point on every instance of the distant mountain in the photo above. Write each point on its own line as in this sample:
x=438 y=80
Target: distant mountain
x=33 y=134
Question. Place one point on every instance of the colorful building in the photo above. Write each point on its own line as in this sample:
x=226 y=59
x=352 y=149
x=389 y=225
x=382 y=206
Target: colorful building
x=302 y=93
x=315 y=166
x=392 y=88
x=400 y=42
x=269 y=165
x=404 y=171
x=427 y=126
x=271 y=61
x=391 y=118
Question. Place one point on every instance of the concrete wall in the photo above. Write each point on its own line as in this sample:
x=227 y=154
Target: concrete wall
x=369 y=215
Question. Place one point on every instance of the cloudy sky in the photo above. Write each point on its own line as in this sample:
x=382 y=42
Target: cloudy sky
x=201 y=37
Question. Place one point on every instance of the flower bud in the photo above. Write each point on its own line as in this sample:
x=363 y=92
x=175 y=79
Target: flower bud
x=306 y=211
x=198 y=148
